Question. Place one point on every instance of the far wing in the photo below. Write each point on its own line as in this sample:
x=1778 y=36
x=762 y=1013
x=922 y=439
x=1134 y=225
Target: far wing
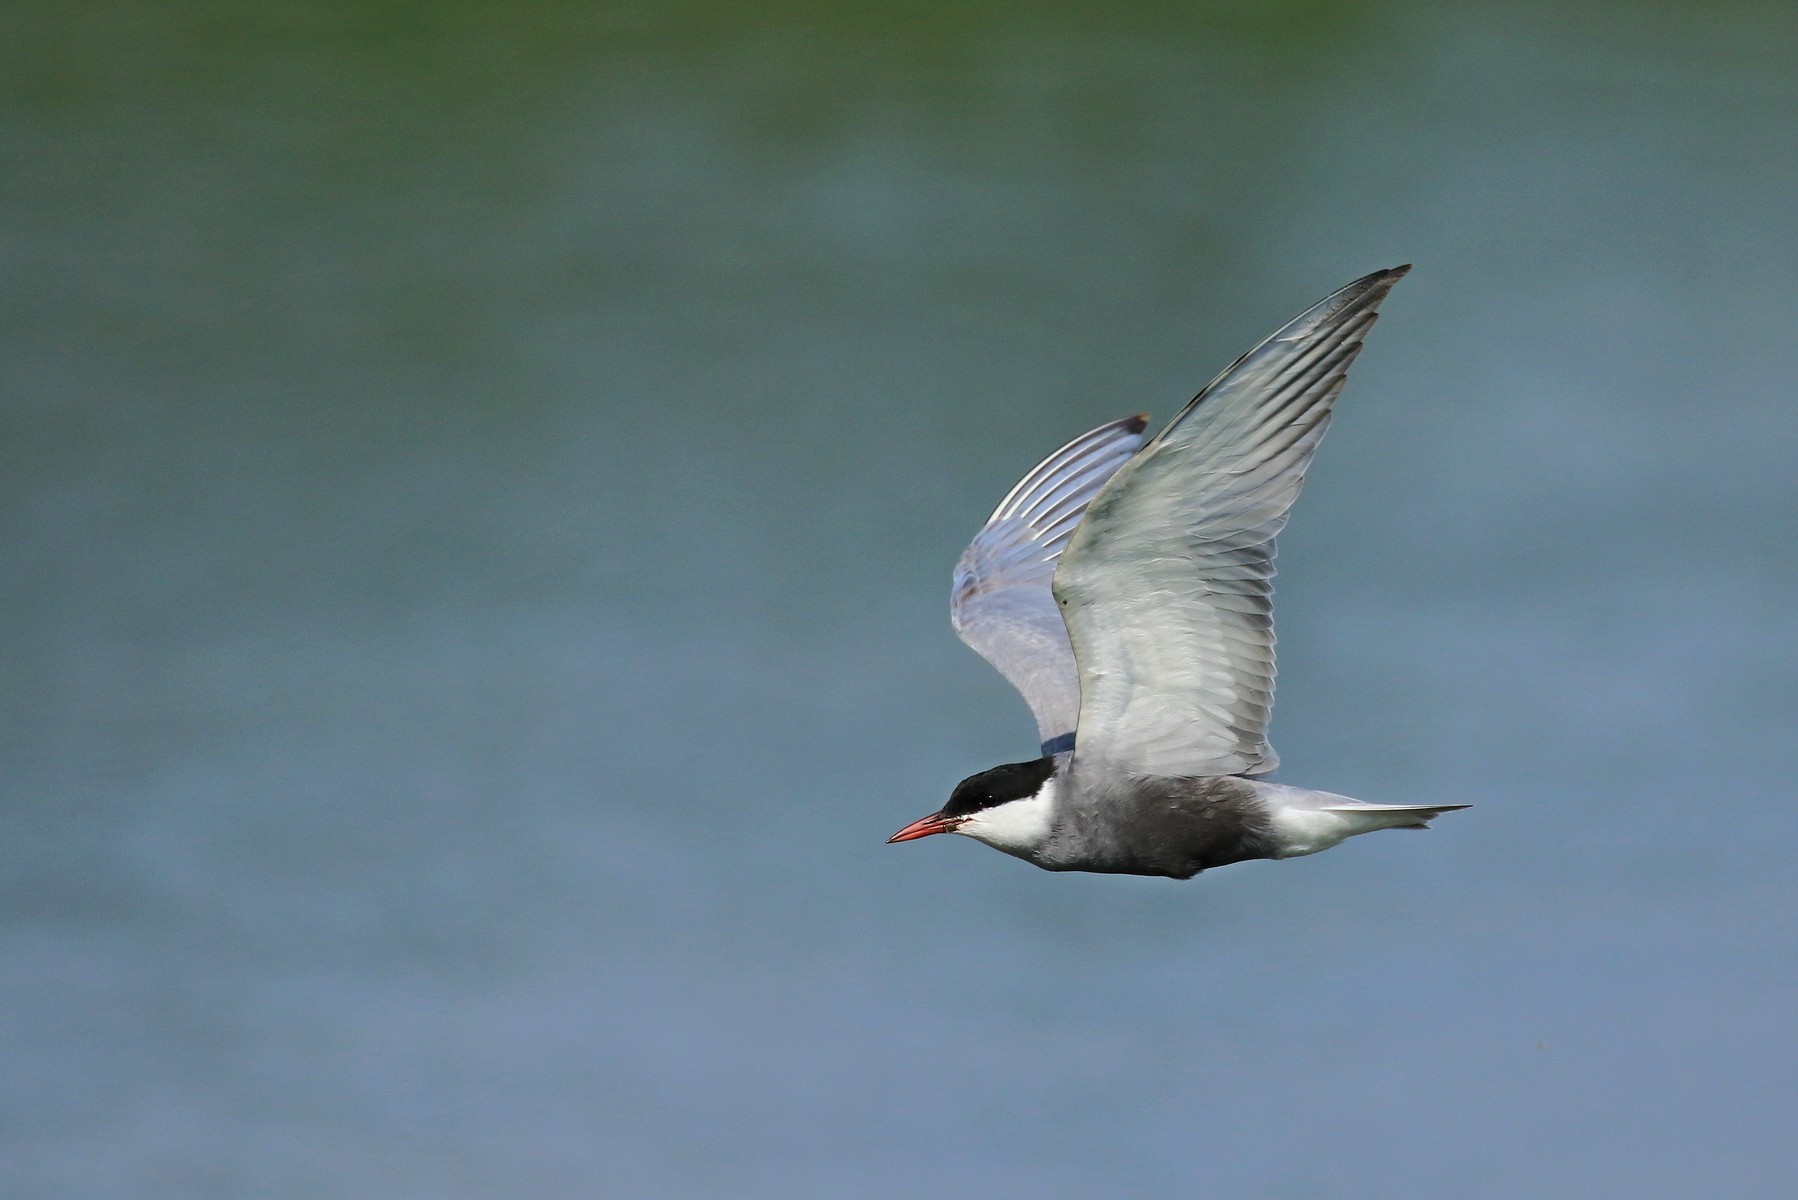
x=1001 y=604
x=1166 y=586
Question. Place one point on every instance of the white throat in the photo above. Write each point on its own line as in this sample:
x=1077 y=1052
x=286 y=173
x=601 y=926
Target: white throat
x=1017 y=825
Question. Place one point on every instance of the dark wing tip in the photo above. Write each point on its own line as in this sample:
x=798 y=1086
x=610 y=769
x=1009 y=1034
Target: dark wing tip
x=1378 y=281
x=1341 y=305
x=1136 y=424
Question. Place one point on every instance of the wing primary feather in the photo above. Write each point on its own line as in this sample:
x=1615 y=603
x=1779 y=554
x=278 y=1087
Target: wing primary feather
x=1165 y=581
x=1000 y=599
x=1095 y=443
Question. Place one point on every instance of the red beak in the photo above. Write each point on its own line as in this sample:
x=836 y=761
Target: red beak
x=934 y=823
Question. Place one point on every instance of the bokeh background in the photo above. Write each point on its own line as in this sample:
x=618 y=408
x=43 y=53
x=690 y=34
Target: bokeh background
x=480 y=483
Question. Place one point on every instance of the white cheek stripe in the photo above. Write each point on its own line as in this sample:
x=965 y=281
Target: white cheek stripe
x=1016 y=824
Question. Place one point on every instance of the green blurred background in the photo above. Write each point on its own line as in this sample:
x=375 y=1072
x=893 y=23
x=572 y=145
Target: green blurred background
x=480 y=483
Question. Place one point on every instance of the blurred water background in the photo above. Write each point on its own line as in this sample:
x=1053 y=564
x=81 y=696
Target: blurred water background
x=480 y=484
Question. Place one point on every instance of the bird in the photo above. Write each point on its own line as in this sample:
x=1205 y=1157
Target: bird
x=1125 y=590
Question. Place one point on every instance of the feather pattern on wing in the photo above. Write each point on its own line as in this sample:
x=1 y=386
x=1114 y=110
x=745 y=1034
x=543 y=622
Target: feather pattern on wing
x=1166 y=587
x=1000 y=602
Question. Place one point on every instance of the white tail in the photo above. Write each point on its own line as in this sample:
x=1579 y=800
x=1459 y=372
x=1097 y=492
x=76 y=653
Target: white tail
x=1394 y=816
x=1305 y=821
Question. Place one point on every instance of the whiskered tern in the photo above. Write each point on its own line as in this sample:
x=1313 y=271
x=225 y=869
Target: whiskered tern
x=1126 y=591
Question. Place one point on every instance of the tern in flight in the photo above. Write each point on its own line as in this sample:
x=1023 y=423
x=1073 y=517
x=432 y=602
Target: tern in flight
x=1126 y=591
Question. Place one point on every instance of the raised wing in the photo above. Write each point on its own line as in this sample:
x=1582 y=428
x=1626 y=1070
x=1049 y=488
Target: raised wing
x=1166 y=585
x=1000 y=603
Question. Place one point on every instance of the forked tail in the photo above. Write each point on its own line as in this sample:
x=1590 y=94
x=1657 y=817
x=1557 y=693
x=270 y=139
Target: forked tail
x=1393 y=816
x=1303 y=821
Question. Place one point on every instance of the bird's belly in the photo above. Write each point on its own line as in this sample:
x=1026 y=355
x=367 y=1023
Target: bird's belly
x=1173 y=828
